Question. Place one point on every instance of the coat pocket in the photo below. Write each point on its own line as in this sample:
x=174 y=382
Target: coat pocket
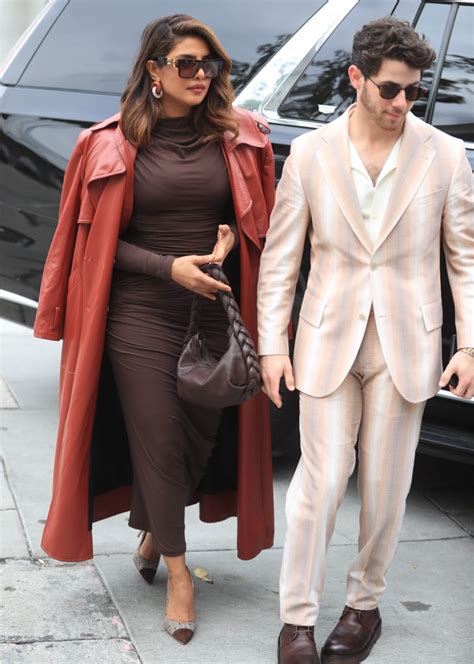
x=422 y=195
x=312 y=309
x=432 y=315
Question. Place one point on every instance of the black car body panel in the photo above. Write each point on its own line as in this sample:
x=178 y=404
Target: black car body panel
x=290 y=64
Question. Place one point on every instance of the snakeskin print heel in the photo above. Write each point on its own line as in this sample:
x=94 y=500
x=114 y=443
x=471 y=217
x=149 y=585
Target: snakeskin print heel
x=181 y=631
x=146 y=568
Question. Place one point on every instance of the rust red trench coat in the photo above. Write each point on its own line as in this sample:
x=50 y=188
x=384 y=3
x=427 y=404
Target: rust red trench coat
x=92 y=471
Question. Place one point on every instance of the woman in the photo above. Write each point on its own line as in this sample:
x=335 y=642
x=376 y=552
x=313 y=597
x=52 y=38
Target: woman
x=172 y=183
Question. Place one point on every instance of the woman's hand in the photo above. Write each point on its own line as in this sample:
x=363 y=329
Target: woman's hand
x=225 y=242
x=185 y=271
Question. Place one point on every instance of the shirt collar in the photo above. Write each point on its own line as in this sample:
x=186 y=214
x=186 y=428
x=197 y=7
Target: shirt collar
x=391 y=162
x=389 y=166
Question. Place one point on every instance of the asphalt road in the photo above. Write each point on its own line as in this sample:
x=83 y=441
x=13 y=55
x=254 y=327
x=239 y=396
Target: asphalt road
x=101 y=611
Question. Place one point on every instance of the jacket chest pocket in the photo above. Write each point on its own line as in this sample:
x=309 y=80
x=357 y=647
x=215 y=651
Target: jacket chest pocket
x=428 y=205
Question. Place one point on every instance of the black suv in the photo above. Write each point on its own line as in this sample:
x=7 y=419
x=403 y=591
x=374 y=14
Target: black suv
x=290 y=64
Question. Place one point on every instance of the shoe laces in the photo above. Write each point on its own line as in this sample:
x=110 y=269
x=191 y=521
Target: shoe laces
x=298 y=629
x=359 y=613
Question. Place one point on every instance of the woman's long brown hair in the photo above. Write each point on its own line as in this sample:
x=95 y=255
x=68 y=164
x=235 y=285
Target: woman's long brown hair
x=140 y=110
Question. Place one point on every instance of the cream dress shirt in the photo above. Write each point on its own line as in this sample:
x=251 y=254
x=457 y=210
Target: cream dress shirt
x=373 y=199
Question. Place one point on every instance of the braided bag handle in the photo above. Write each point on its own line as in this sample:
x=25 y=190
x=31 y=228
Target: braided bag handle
x=236 y=326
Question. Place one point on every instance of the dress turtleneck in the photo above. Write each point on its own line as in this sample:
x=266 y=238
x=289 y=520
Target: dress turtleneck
x=180 y=131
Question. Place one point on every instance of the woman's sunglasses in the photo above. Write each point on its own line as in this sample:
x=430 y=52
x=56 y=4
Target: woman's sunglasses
x=189 y=68
x=390 y=90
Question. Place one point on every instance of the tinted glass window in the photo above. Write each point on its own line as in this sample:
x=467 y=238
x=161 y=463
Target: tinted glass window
x=92 y=45
x=454 y=108
x=325 y=82
x=431 y=24
x=406 y=10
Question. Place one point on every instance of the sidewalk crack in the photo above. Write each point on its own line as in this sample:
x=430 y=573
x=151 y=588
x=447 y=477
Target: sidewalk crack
x=48 y=639
x=450 y=516
x=112 y=599
x=17 y=508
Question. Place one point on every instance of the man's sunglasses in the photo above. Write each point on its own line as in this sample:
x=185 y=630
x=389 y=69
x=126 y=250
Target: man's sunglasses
x=390 y=90
x=189 y=68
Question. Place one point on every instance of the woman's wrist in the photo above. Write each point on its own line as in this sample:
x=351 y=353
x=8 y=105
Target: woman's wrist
x=235 y=233
x=166 y=267
x=159 y=266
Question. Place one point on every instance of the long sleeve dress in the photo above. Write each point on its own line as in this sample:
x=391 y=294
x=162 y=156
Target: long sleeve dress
x=181 y=195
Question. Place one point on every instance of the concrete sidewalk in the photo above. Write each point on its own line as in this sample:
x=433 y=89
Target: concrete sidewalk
x=102 y=611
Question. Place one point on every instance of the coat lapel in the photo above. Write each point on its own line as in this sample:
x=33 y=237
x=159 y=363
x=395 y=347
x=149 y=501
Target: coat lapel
x=335 y=160
x=414 y=159
x=250 y=135
x=110 y=158
x=106 y=158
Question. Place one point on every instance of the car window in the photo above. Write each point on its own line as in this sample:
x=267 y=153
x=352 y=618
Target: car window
x=323 y=91
x=406 y=10
x=454 y=107
x=92 y=47
x=431 y=24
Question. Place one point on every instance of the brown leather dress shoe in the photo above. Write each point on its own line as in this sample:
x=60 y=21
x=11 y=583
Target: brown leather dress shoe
x=296 y=645
x=353 y=638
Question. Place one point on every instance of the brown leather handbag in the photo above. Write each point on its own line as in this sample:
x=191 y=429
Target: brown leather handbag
x=217 y=383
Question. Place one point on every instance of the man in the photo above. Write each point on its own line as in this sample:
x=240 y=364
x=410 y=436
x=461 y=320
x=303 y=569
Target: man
x=374 y=191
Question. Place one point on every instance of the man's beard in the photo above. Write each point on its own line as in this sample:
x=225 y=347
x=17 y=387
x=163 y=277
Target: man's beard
x=378 y=116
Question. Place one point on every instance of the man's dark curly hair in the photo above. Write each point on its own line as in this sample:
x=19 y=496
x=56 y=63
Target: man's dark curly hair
x=391 y=38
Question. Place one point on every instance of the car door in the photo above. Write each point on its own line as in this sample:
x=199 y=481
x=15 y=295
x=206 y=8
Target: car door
x=67 y=73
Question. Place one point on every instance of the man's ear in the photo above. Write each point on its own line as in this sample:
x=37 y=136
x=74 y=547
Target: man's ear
x=356 y=77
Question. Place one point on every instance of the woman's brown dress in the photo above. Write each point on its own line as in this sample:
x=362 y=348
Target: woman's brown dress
x=181 y=195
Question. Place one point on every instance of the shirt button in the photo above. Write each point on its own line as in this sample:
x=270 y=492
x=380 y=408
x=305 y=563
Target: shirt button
x=373 y=266
x=362 y=317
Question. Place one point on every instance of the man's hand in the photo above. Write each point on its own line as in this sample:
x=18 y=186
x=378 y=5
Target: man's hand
x=273 y=367
x=225 y=242
x=462 y=365
x=185 y=271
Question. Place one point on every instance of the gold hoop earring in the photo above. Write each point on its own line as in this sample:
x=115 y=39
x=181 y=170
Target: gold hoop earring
x=156 y=91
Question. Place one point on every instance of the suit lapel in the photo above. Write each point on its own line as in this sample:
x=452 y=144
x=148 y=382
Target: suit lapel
x=414 y=159
x=335 y=160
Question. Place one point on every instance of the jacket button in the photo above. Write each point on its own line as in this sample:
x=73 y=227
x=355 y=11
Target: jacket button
x=373 y=266
x=362 y=317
